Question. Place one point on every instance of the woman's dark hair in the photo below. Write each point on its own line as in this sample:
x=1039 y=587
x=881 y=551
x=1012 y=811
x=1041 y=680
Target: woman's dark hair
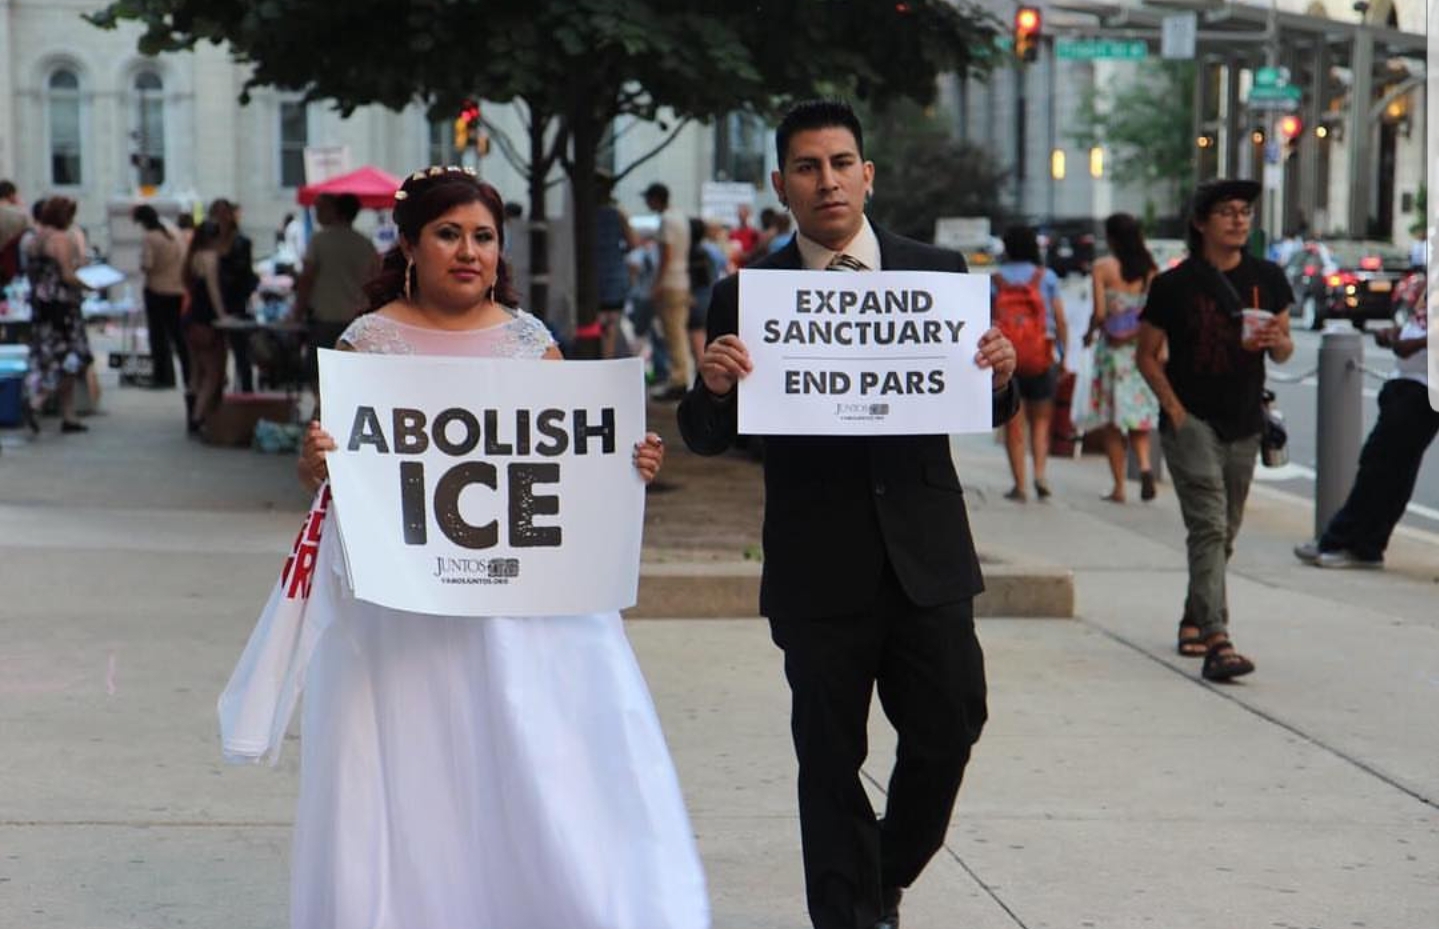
x=185 y=221
x=1021 y=244
x=424 y=197
x=1126 y=242
x=207 y=236
x=58 y=213
x=145 y=215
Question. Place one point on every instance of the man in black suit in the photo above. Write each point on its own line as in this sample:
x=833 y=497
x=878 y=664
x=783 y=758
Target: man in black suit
x=869 y=570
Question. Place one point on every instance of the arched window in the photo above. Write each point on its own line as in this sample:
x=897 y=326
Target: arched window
x=147 y=151
x=64 y=105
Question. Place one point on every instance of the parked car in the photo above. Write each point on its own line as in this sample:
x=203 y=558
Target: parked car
x=1343 y=279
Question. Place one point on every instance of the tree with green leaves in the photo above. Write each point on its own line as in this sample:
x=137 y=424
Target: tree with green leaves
x=1146 y=123
x=922 y=172
x=577 y=65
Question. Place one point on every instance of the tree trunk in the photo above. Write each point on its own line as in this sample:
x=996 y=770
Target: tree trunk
x=539 y=223
x=585 y=133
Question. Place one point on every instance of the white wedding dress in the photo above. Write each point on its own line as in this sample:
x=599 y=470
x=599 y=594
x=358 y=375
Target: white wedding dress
x=483 y=773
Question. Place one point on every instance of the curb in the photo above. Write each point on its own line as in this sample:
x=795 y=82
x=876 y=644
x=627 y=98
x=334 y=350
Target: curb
x=730 y=590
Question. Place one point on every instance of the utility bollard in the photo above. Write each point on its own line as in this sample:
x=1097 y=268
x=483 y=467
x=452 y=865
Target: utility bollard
x=1339 y=419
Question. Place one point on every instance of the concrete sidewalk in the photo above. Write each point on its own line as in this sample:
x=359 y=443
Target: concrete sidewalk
x=1112 y=788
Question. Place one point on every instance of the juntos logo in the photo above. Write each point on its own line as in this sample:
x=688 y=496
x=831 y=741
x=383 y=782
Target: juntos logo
x=476 y=570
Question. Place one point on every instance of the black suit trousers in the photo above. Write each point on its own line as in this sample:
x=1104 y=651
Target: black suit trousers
x=928 y=668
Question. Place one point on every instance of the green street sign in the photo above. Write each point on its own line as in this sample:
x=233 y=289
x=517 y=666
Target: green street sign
x=1092 y=49
x=1285 y=92
x=1271 y=77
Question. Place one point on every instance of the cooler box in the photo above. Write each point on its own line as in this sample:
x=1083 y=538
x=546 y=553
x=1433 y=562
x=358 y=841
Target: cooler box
x=14 y=365
x=233 y=423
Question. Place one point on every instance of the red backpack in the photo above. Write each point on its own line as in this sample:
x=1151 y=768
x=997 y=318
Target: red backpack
x=1019 y=313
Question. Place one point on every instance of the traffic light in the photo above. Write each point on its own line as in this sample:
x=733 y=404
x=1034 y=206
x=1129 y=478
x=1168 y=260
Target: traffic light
x=1291 y=127
x=1026 y=33
x=467 y=125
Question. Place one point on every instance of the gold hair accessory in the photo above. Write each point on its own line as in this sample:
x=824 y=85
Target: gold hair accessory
x=436 y=171
x=400 y=194
x=453 y=168
x=418 y=176
x=471 y=171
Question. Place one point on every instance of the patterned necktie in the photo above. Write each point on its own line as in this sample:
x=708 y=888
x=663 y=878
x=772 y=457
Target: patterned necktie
x=843 y=262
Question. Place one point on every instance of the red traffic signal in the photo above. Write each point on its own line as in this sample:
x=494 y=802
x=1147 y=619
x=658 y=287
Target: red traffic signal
x=1027 y=24
x=467 y=129
x=1290 y=127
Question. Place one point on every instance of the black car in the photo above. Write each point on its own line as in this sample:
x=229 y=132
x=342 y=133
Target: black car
x=1345 y=280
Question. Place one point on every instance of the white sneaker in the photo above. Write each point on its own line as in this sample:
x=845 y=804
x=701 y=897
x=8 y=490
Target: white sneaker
x=1308 y=552
x=1346 y=559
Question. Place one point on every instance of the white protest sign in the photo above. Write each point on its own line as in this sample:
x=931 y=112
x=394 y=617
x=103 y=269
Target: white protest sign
x=870 y=353
x=486 y=487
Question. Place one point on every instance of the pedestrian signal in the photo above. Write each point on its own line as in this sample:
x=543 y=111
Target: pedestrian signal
x=1026 y=33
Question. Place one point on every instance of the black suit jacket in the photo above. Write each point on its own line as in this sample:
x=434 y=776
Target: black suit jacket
x=836 y=508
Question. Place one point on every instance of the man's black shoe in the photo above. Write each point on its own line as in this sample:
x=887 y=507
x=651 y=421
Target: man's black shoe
x=889 y=908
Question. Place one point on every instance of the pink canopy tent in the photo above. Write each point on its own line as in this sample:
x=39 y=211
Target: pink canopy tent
x=374 y=187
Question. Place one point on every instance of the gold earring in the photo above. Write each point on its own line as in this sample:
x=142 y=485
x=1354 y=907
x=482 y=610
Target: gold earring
x=409 y=270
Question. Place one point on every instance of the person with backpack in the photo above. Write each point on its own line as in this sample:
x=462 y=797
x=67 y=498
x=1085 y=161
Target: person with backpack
x=1026 y=306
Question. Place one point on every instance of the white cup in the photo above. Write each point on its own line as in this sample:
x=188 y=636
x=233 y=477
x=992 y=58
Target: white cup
x=1254 y=320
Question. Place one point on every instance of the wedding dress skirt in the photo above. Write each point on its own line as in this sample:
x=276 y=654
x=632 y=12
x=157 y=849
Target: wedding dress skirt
x=486 y=773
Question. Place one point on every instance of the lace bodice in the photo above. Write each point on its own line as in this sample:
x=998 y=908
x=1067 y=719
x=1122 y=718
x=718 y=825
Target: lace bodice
x=520 y=336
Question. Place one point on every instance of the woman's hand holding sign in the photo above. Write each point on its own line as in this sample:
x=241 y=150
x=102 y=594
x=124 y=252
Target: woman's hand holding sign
x=724 y=362
x=997 y=353
x=649 y=456
x=312 y=467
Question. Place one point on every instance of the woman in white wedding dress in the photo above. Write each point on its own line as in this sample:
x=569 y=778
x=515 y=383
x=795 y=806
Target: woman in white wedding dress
x=478 y=773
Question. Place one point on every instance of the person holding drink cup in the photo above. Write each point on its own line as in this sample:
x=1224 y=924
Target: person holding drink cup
x=1219 y=315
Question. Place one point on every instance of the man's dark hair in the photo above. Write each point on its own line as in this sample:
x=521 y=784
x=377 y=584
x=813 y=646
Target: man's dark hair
x=658 y=193
x=7 y=190
x=1209 y=195
x=817 y=114
x=347 y=207
x=1021 y=244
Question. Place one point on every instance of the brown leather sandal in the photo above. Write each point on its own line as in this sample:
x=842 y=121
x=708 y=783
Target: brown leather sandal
x=1223 y=663
x=1191 y=642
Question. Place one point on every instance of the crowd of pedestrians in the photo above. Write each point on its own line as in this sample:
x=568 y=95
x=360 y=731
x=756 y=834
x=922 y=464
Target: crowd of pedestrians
x=655 y=278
